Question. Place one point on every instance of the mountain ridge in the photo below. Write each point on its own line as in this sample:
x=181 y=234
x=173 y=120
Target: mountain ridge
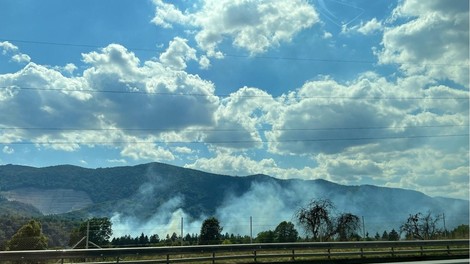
x=141 y=192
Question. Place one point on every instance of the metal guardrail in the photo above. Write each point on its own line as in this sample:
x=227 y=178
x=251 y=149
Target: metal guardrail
x=255 y=252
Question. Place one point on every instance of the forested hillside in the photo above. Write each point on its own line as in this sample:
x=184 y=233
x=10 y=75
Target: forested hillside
x=154 y=194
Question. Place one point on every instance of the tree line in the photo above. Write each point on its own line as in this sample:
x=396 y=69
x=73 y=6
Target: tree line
x=318 y=219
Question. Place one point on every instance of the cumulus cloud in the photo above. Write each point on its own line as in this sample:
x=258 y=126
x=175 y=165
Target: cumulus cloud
x=115 y=92
x=368 y=130
x=21 y=58
x=370 y=27
x=252 y=25
x=238 y=117
x=325 y=116
x=146 y=151
x=230 y=164
x=167 y=14
x=8 y=48
x=433 y=39
x=177 y=54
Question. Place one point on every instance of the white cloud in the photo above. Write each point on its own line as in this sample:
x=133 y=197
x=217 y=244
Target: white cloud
x=227 y=164
x=370 y=27
x=434 y=39
x=204 y=62
x=115 y=91
x=184 y=150
x=8 y=47
x=8 y=150
x=120 y=161
x=12 y=50
x=21 y=58
x=238 y=117
x=145 y=92
x=177 y=54
x=327 y=35
x=146 y=151
x=167 y=14
x=253 y=25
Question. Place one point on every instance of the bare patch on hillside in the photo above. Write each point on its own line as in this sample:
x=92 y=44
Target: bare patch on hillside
x=50 y=201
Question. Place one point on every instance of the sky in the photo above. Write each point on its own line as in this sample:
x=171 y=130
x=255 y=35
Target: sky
x=354 y=92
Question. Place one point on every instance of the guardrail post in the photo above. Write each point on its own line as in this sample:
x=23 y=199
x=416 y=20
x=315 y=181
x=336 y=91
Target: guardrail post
x=213 y=257
x=254 y=255
x=329 y=253
x=293 y=254
x=422 y=251
x=448 y=250
x=167 y=258
x=362 y=252
x=393 y=253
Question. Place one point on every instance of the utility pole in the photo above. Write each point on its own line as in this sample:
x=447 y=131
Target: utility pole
x=445 y=229
x=87 y=234
x=363 y=228
x=251 y=230
x=182 y=231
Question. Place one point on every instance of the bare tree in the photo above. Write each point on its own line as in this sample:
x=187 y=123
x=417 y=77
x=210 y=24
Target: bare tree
x=419 y=226
x=316 y=218
x=347 y=225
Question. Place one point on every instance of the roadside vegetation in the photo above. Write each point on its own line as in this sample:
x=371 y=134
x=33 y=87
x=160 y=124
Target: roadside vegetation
x=317 y=219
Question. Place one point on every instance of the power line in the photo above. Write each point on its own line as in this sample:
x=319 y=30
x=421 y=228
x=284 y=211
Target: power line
x=71 y=44
x=65 y=44
x=227 y=95
x=224 y=129
x=226 y=141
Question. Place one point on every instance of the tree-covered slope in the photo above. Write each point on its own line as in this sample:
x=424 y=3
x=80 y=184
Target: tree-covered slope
x=141 y=191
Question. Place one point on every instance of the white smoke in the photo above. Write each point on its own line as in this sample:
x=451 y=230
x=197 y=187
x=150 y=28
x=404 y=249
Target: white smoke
x=268 y=202
x=166 y=221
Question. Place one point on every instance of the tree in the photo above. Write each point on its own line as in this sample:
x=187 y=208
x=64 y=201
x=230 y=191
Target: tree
x=393 y=235
x=347 y=225
x=462 y=231
x=377 y=236
x=210 y=231
x=285 y=232
x=154 y=239
x=385 y=236
x=29 y=236
x=265 y=237
x=419 y=226
x=316 y=218
x=99 y=231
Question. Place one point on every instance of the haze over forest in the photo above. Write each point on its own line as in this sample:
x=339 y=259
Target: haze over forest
x=152 y=198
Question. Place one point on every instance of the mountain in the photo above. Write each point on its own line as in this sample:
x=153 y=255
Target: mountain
x=155 y=196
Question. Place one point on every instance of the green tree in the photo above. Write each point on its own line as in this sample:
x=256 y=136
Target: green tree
x=460 y=232
x=154 y=239
x=99 y=232
x=393 y=235
x=210 y=231
x=385 y=236
x=285 y=232
x=265 y=237
x=29 y=236
x=377 y=236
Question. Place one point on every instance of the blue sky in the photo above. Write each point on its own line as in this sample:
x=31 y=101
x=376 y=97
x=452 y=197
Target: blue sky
x=355 y=92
